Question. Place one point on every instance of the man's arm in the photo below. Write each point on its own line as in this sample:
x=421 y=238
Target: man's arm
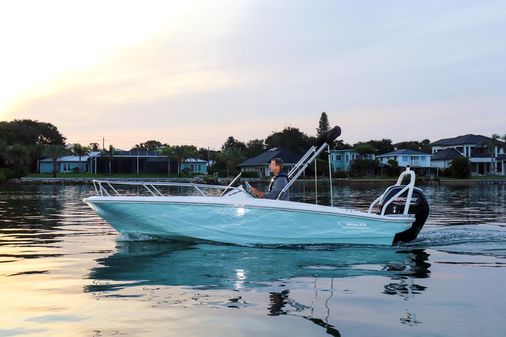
x=278 y=185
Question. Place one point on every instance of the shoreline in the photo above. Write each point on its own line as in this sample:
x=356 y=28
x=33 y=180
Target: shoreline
x=221 y=181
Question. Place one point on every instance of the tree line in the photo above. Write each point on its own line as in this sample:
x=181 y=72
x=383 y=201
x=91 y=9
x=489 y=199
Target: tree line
x=24 y=142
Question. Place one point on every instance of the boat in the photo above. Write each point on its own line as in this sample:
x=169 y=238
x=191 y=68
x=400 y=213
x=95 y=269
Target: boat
x=194 y=212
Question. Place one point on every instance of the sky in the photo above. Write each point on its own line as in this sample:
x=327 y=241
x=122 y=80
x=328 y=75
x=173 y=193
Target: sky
x=199 y=71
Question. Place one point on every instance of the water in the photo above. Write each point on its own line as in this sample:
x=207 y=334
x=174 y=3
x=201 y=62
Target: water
x=65 y=272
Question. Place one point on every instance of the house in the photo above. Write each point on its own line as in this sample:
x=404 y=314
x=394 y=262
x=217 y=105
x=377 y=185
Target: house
x=194 y=165
x=136 y=162
x=418 y=161
x=341 y=160
x=66 y=164
x=260 y=163
x=476 y=149
x=443 y=158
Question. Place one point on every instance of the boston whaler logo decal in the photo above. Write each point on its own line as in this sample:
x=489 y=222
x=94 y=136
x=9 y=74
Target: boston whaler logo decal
x=352 y=224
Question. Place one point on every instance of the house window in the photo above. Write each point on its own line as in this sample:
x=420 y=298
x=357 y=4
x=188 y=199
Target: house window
x=339 y=157
x=423 y=158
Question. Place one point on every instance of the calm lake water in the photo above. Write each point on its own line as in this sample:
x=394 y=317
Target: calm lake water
x=66 y=272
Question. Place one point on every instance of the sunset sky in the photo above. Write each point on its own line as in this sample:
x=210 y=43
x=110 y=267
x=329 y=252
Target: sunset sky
x=196 y=72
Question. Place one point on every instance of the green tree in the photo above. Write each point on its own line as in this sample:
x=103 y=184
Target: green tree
x=18 y=156
x=168 y=152
x=341 y=145
x=382 y=146
x=232 y=142
x=3 y=150
x=491 y=147
x=232 y=156
x=29 y=132
x=392 y=168
x=460 y=167
x=323 y=125
x=180 y=153
x=364 y=148
x=80 y=150
x=362 y=167
x=290 y=138
x=94 y=147
x=423 y=146
x=255 y=147
x=150 y=145
x=55 y=151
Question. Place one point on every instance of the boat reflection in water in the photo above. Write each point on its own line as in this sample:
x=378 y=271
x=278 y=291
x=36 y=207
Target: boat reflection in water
x=221 y=267
x=209 y=266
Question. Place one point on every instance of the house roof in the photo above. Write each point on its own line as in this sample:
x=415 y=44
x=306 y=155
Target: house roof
x=264 y=158
x=194 y=160
x=403 y=153
x=67 y=159
x=469 y=139
x=446 y=154
x=135 y=153
x=343 y=151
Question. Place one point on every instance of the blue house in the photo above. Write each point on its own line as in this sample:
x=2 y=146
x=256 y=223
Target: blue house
x=194 y=166
x=414 y=159
x=67 y=164
x=341 y=160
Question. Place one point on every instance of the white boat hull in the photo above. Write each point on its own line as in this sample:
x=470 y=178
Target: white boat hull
x=246 y=221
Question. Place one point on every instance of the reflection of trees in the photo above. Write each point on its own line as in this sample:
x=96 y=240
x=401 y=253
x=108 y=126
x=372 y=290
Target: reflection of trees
x=417 y=268
x=278 y=301
x=404 y=273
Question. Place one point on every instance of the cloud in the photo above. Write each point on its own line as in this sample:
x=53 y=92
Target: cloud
x=381 y=70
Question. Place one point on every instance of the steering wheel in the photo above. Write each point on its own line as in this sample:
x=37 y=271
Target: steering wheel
x=247 y=188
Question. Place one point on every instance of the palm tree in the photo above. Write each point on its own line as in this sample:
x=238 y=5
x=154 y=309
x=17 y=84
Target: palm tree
x=54 y=152
x=80 y=151
x=181 y=152
x=110 y=152
x=168 y=152
x=491 y=146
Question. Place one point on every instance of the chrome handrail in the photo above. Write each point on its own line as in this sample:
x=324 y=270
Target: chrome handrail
x=106 y=187
x=409 y=187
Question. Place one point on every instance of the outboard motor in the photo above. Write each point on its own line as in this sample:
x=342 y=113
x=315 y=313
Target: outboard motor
x=419 y=207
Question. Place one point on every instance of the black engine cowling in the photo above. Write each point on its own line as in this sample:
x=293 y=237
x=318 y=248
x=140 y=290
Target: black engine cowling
x=419 y=207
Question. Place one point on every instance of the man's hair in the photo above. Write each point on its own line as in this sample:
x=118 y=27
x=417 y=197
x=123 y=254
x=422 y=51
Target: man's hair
x=278 y=162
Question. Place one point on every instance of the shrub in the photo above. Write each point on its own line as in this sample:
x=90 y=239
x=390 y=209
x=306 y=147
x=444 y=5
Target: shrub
x=340 y=174
x=460 y=168
x=362 y=167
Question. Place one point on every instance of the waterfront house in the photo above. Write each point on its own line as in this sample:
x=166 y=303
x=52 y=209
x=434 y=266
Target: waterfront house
x=194 y=166
x=443 y=158
x=476 y=148
x=418 y=161
x=66 y=164
x=341 y=160
x=260 y=163
x=133 y=162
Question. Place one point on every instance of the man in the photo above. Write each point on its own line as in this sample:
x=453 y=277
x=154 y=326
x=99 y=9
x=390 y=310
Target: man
x=279 y=181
